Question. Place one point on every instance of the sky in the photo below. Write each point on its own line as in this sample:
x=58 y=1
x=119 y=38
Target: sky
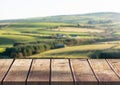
x=14 y=9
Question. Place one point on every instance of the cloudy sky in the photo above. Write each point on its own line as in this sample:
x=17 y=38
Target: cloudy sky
x=13 y=9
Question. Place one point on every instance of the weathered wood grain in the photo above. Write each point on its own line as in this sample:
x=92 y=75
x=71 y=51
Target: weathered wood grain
x=40 y=72
x=4 y=66
x=18 y=72
x=60 y=72
x=83 y=74
x=103 y=72
x=115 y=65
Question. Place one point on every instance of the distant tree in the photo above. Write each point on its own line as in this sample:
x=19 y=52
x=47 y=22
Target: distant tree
x=78 y=25
x=24 y=52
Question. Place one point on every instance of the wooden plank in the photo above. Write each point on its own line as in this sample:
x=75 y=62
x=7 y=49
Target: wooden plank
x=18 y=72
x=115 y=65
x=4 y=66
x=83 y=74
x=40 y=71
x=103 y=72
x=61 y=72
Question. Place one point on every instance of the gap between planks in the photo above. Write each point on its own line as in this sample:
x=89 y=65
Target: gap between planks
x=93 y=65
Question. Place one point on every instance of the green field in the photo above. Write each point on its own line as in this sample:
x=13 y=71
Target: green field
x=19 y=32
x=82 y=51
x=80 y=35
x=22 y=32
x=117 y=33
x=2 y=50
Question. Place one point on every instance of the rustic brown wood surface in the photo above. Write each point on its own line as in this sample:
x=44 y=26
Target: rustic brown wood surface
x=60 y=72
x=39 y=73
x=82 y=72
x=103 y=72
x=115 y=65
x=4 y=67
x=18 y=72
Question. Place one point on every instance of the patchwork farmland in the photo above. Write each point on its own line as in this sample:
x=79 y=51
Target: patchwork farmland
x=87 y=38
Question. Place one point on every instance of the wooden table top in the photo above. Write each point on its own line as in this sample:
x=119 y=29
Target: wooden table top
x=59 y=71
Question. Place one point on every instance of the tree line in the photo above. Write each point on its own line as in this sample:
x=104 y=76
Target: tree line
x=104 y=54
x=23 y=50
x=26 y=50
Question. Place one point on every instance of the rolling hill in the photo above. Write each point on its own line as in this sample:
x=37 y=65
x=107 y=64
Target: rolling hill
x=73 y=32
x=102 y=17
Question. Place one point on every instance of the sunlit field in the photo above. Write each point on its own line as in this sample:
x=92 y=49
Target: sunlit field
x=82 y=51
x=73 y=29
x=73 y=36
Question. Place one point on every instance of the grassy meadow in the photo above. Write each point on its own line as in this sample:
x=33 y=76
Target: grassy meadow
x=2 y=50
x=67 y=38
x=24 y=33
x=72 y=29
x=82 y=51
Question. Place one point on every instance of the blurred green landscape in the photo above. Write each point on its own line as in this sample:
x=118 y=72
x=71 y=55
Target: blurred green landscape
x=94 y=35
